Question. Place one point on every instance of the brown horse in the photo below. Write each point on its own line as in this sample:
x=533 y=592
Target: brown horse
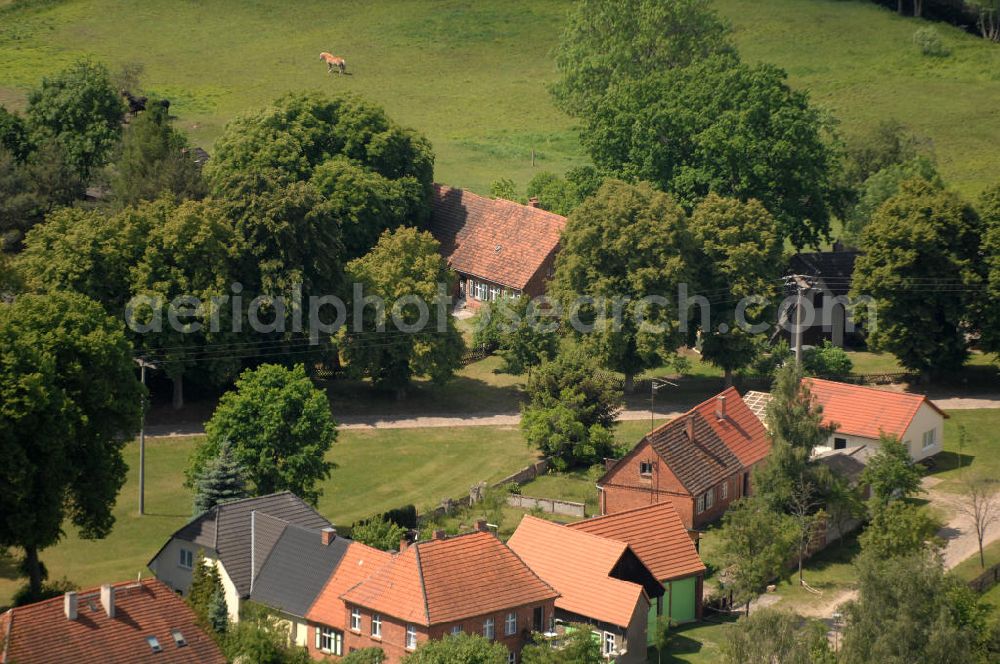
x=333 y=61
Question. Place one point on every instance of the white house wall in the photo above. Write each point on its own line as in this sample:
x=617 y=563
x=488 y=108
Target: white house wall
x=167 y=568
x=232 y=596
x=926 y=419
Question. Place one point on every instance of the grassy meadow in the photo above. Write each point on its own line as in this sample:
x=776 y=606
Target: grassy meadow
x=378 y=469
x=473 y=75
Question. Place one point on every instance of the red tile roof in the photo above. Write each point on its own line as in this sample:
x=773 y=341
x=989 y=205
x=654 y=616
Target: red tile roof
x=721 y=447
x=657 y=536
x=494 y=239
x=42 y=634
x=358 y=564
x=740 y=430
x=447 y=580
x=866 y=411
x=579 y=566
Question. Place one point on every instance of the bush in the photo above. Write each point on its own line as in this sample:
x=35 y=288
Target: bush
x=929 y=41
x=404 y=517
x=827 y=360
x=378 y=532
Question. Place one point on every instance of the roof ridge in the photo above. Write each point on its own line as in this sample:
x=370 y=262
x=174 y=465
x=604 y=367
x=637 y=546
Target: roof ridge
x=423 y=586
x=227 y=503
x=650 y=507
x=500 y=201
x=581 y=532
x=922 y=397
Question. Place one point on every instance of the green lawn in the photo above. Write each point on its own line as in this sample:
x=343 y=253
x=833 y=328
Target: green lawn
x=696 y=643
x=378 y=470
x=473 y=76
x=981 y=453
x=969 y=569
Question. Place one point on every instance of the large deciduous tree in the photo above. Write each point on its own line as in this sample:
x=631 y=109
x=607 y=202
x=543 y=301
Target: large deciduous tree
x=623 y=245
x=608 y=43
x=738 y=257
x=909 y=610
x=280 y=429
x=372 y=174
x=572 y=407
x=81 y=111
x=921 y=266
x=988 y=314
x=726 y=127
x=187 y=254
x=70 y=400
x=412 y=332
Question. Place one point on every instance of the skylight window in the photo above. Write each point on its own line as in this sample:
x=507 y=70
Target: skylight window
x=154 y=644
x=178 y=638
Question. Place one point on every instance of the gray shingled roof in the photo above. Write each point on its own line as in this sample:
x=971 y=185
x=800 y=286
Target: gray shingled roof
x=226 y=529
x=297 y=569
x=698 y=465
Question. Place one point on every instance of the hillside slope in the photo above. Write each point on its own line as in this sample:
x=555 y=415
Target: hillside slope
x=472 y=75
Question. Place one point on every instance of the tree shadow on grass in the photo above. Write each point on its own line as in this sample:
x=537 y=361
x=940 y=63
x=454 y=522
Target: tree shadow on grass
x=945 y=461
x=689 y=639
x=8 y=564
x=461 y=395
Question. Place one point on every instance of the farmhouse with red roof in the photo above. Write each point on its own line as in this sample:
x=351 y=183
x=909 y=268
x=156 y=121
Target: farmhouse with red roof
x=498 y=247
x=121 y=623
x=861 y=414
x=700 y=462
x=470 y=583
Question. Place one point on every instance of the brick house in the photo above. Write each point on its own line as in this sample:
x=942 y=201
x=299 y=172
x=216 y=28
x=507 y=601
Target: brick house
x=701 y=462
x=656 y=534
x=121 y=623
x=469 y=583
x=602 y=583
x=498 y=248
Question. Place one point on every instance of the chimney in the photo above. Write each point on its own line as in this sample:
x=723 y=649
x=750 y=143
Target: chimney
x=403 y=544
x=481 y=526
x=108 y=599
x=327 y=535
x=69 y=604
x=690 y=427
x=720 y=407
x=533 y=201
x=439 y=534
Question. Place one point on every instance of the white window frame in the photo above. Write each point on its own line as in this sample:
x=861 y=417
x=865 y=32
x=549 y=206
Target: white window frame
x=355 y=620
x=512 y=657
x=186 y=559
x=724 y=490
x=648 y=465
x=489 y=629
x=610 y=644
x=411 y=637
x=456 y=630
x=376 y=625
x=510 y=624
x=710 y=499
x=699 y=505
x=480 y=289
x=495 y=293
x=330 y=641
x=930 y=434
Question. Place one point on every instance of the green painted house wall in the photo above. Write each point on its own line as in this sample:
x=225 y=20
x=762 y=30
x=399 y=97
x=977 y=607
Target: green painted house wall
x=678 y=603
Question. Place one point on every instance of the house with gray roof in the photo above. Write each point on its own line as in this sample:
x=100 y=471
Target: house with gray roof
x=294 y=569
x=237 y=538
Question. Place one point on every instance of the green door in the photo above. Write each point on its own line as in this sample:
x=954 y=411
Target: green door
x=682 y=599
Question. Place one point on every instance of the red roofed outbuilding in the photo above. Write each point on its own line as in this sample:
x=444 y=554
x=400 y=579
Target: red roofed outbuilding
x=497 y=247
x=122 y=623
x=656 y=534
x=700 y=462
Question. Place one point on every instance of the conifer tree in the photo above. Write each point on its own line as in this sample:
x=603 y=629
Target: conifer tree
x=205 y=582
x=218 y=611
x=220 y=481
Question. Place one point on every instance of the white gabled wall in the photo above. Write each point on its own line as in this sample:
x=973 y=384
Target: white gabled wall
x=926 y=419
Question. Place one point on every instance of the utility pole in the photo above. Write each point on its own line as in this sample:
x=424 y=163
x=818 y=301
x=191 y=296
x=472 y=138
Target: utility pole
x=654 y=385
x=801 y=283
x=143 y=365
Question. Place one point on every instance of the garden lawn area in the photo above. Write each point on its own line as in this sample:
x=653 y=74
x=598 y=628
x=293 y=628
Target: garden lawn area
x=696 y=643
x=980 y=455
x=473 y=76
x=831 y=571
x=378 y=470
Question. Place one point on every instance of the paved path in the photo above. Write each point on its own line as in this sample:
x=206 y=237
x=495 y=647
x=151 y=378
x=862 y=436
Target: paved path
x=181 y=429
